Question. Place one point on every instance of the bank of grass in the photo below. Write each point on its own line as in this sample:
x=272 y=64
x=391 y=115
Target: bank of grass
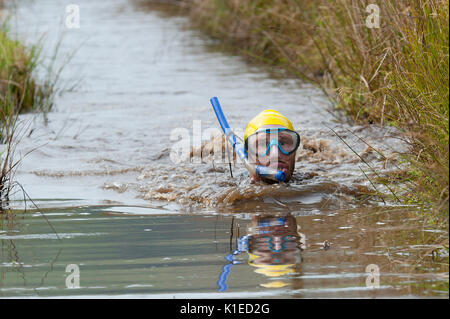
x=19 y=92
x=396 y=74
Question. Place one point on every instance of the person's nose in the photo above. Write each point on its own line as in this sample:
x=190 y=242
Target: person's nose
x=274 y=152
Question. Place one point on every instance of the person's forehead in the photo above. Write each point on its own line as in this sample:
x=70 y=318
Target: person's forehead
x=265 y=127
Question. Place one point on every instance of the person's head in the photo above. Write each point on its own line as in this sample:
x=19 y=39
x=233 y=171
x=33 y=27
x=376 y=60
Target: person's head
x=271 y=141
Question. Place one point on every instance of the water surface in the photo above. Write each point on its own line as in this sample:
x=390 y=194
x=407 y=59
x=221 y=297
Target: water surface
x=134 y=252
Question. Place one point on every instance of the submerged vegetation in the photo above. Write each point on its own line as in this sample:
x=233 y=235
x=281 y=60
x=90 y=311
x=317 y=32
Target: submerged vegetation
x=392 y=73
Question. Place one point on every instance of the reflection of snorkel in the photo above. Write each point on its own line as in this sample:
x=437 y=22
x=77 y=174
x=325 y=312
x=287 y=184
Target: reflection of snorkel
x=239 y=148
x=242 y=247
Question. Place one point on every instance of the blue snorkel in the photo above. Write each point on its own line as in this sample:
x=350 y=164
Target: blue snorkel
x=239 y=148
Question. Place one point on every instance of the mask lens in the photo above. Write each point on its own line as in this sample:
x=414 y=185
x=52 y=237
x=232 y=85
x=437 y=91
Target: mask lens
x=287 y=141
x=260 y=142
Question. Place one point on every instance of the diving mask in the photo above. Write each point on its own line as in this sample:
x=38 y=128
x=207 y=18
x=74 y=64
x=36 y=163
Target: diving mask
x=261 y=141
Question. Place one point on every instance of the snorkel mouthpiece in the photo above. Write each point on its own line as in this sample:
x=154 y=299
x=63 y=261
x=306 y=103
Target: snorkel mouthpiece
x=239 y=148
x=280 y=176
x=270 y=173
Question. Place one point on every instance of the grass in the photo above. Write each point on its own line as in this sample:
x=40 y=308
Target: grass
x=396 y=74
x=17 y=92
x=20 y=91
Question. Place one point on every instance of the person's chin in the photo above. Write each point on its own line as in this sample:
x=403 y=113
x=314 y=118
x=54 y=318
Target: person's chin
x=279 y=166
x=268 y=181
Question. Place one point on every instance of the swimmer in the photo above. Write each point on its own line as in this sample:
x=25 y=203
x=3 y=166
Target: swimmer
x=270 y=141
x=269 y=145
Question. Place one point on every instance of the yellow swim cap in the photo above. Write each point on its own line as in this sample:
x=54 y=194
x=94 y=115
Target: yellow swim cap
x=267 y=117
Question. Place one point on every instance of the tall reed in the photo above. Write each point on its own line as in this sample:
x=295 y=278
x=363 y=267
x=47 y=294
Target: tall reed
x=20 y=91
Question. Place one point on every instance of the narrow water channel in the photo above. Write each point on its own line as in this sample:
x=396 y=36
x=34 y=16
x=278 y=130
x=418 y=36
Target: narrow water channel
x=112 y=201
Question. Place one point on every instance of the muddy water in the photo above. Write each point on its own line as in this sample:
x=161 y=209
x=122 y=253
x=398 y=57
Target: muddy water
x=130 y=252
x=137 y=224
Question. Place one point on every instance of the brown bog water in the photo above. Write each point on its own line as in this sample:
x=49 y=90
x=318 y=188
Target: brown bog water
x=113 y=202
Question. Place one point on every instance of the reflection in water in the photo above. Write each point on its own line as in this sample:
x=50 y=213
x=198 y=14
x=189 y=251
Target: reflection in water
x=9 y=253
x=15 y=256
x=137 y=251
x=273 y=245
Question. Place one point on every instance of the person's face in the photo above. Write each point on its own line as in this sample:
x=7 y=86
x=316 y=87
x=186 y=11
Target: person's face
x=262 y=152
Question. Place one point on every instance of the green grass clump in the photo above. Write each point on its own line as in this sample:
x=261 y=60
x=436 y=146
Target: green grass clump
x=20 y=91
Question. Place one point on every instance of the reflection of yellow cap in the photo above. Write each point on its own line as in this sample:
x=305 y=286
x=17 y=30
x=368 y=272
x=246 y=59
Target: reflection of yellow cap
x=267 y=117
x=274 y=284
x=270 y=270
